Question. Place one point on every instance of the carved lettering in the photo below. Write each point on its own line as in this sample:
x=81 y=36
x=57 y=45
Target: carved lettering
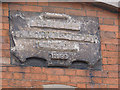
x=59 y=39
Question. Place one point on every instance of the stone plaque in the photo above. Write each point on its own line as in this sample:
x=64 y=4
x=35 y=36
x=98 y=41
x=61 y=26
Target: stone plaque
x=59 y=39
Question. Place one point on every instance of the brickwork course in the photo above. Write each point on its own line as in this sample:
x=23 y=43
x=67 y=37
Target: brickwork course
x=34 y=77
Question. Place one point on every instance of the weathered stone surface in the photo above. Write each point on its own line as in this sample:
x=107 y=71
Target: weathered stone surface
x=58 y=86
x=44 y=21
x=55 y=35
x=60 y=39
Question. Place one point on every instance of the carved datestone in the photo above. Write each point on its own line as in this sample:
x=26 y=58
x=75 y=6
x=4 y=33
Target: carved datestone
x=58 y=39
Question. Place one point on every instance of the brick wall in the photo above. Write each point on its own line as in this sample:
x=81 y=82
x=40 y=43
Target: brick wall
x=16 y=76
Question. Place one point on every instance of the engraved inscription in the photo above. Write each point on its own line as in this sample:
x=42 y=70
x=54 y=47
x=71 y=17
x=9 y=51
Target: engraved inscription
x=59 y=39
x=57 y=55
x=56 y=35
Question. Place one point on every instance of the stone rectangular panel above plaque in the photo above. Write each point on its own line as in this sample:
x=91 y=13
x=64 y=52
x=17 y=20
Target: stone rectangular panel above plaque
x=54 y=40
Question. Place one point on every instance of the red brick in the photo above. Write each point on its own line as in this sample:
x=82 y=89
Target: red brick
x=103 y=47
x=60 y=4
x=116 y=22
x=7 y=75
x=4 y=39
x=113 y=60
x=5 y=19
x=20 y=83
x=27 y=76
x=15 y=7
x=118 y=47
x=4 y=68
x=17 y=75
x=107 y=35
x=113 y=74
x=31 y=8
x=4 y=5
x=7 y=87
x=39 y=77
x=6 y=26
x=104 y=61
x=1 y=12
x=4 y=32
x=81 y=85
x=36 y=76
x=26 y=69
x=5 y=13
x=36 y=70
x=44 y=0
x=53 y=10
x=5 y=53
x=97 y=73
x=91 y=13
x=43 y=3
x=97 y=80
x=81 y=72
x=108 y=38
x=19 y=69
x=118 y=61
x=88 y=6
x=104 y=73
x=101 y=20
x=111 y=47
x=110 y=81
x=109 y=41
x=53 y=78
x=53 y=71
x=6 y=46
x=70 y=72
x=75 y=12
x=45 y=83
x=0 y=53
x=76 y=5
x=107 y=14
x=79 y=79
x=64 y=78
x=113 y=86
x=109 y=21
x=31 y=3
x=36 y=83
x=93 y=86
x=108 y=28
x=40 y=86
x=0 y=4
x=110 y=67
x=58 y=10
x=5 y=82
x=18 y=2
x=109 y=54
x=103 y=86
x=118 y=34
x=1 y=26
x=14 y=69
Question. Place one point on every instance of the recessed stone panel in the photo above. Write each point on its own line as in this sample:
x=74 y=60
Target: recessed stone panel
x=58 y=39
